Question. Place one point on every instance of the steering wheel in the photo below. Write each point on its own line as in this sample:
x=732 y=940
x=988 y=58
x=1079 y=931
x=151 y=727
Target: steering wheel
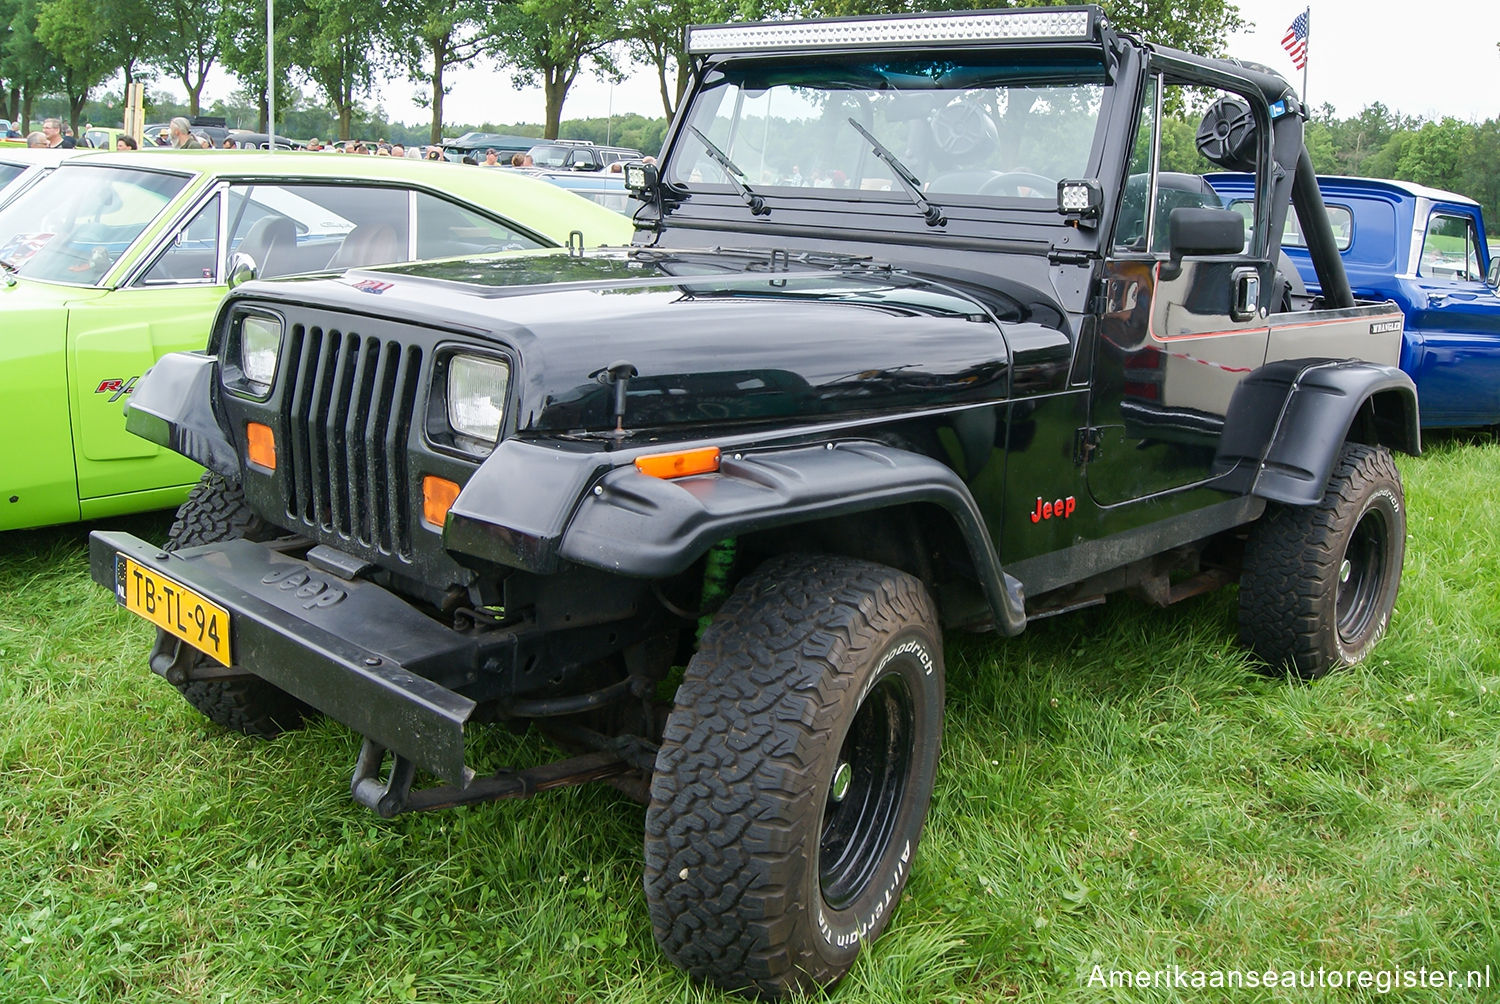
x=1020 y=183
x=961 y=130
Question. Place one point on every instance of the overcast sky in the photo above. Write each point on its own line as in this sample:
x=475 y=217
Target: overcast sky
x=1432 y=58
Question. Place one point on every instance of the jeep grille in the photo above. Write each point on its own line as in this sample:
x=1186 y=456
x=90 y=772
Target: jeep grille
x=347 y=411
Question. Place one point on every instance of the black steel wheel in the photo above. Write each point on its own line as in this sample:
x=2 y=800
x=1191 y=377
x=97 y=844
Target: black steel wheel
x=794 y=775
x=866 y=792
x=215 y=511
x=1319 y=582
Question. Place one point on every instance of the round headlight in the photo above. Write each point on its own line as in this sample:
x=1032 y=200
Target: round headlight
x=476 y=396
x=260 y=346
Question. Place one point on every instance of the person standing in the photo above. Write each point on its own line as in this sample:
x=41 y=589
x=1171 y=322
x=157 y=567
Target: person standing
x=181 y=133
x=491 y=158
x=52 y=132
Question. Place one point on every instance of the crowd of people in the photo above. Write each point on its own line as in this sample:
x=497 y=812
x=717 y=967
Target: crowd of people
x=53 y=133
x=178 y=135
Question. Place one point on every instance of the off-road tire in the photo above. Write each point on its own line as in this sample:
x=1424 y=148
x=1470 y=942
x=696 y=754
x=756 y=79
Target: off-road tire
x=215 y=511
x=1319 y=583
x=818 y=671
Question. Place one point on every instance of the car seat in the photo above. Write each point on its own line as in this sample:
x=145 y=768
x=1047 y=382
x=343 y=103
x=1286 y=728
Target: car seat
x=269 y=243
x=367 y=244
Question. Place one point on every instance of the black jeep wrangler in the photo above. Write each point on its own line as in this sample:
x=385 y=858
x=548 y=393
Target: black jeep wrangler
x=917 y=334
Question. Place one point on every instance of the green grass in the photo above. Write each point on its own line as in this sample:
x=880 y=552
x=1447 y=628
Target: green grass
x=1118 y=788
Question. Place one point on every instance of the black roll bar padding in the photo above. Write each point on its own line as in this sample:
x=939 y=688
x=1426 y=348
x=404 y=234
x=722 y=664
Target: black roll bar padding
x=1313 y=216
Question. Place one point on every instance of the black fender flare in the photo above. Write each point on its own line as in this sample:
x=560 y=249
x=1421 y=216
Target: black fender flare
x=633 y=524
x=172 y=405
x=1288 y=420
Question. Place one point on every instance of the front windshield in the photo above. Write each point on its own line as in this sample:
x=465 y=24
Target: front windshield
x=982 y=126
x=9 y=173
x=72 y=226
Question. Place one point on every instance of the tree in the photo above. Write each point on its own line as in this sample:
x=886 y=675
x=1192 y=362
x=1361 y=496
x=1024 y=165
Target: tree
x=1479 y=180
x=242 y=49
x=1437 y=154
x=338 y=44
x=435 y=35
x=84 y=47
x=551 y=40
x=28 y=68
x=653 y=33
x=192 y=43
x=1201 y=26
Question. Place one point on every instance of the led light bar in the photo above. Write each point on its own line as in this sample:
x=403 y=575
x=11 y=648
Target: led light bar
x=1063 y=23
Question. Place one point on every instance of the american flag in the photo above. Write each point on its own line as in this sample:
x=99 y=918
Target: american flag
x=1295 y=41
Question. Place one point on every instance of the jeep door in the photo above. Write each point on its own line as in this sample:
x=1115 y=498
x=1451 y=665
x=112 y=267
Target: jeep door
x=1174 y=338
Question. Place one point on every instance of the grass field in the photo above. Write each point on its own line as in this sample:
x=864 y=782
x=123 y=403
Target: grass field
x=1119 y=788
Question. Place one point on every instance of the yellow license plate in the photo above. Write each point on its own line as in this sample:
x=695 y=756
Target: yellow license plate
x=173 y=607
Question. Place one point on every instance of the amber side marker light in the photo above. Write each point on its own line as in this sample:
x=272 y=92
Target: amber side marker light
x=679 y=465
x=437 y=498
x=260 y=444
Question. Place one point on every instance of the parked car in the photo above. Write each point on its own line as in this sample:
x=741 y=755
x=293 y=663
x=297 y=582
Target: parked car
x=473 y=144
x=825 y=422
x=100 y=137
x=245 y=139
x=578 y=155
x=118 y=258
x=1425 y=249
x=158 y=134
x=597 y=186
x=21 y=168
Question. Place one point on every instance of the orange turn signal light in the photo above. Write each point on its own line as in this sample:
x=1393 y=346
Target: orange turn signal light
x=438 y=495
x=704 y=460
x=260 y=445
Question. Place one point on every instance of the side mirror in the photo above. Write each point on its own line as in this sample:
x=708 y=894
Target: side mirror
x=1205 y=232
x=1492 y=277
x=242 y=269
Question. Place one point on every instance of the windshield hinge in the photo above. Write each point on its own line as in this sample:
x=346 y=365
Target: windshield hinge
x=1057 y=256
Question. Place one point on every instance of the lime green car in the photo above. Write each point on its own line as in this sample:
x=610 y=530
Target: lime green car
x=117 y=259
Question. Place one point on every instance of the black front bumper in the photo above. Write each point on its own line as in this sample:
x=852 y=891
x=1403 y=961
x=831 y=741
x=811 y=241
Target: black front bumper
x=291 y=625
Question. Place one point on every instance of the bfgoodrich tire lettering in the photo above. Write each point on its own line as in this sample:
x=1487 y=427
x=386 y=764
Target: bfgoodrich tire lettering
x=215 y=511
x=795 y=773
x=1319 y=582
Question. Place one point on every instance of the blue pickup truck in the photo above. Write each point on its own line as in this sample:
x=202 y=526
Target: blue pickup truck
x=1425 y=249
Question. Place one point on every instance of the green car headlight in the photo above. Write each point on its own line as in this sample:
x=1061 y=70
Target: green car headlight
x=476 y=396
x=260 y=348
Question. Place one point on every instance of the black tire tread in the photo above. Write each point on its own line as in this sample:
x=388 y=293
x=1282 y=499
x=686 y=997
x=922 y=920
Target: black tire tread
x=1292 y=560
x=725 y=806
x=215 y=510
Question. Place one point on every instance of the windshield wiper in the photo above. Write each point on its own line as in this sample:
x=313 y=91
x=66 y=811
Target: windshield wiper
x=931 y=213
x=731 y=171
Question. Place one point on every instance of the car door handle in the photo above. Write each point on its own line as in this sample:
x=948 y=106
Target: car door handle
x=1246 y=302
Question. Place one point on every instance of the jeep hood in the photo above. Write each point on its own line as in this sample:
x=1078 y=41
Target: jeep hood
x=711 y=337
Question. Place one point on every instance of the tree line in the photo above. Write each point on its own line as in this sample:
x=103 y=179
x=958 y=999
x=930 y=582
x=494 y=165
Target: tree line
x=341 y=49
x=67 y=50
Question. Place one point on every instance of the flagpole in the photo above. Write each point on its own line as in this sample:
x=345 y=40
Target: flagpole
x=1308 y=14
